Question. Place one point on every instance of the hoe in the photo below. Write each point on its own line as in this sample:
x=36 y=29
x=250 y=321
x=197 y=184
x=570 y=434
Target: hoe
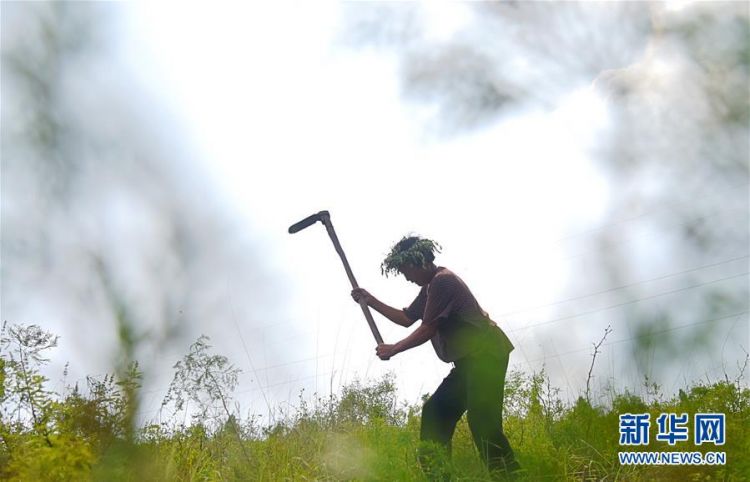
x=325 y=218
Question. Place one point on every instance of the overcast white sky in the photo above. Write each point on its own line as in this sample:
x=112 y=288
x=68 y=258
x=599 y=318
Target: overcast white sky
x=288 y=121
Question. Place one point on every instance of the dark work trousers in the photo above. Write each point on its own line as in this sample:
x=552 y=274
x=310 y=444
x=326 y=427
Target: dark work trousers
x=475 y=385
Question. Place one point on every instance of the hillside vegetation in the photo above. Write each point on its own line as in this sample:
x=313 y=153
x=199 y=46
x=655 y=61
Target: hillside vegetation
x=361 y=433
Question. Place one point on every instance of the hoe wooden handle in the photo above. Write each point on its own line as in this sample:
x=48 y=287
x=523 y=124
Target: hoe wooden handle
x=362 y=303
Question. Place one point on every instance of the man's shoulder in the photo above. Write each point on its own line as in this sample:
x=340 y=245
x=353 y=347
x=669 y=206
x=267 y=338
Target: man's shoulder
x=445 y=274
x=444 y=278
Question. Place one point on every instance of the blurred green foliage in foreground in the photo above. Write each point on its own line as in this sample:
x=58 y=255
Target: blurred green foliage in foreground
x=363 y=433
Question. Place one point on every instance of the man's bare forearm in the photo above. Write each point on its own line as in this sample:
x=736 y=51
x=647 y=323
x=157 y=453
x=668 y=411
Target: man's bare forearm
x=417 y=337
x=395 y=315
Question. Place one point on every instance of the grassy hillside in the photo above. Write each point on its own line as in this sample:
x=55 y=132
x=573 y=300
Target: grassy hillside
x=363 y=433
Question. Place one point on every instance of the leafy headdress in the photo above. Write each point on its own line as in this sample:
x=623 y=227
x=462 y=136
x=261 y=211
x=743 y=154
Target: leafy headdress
x=410 y=250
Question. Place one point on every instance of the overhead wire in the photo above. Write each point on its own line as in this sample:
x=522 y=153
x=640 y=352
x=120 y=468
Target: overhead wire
x=611 y=225
x=660 y=332
x=628 y=285
x=638 y=300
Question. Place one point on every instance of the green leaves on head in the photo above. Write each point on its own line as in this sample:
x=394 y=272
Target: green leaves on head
x=410 y=250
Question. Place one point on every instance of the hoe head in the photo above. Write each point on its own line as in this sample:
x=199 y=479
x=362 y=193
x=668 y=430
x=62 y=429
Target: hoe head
x=322 y=216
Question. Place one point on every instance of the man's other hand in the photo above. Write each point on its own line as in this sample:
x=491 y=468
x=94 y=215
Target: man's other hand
x=362 y=294
x=385 y=351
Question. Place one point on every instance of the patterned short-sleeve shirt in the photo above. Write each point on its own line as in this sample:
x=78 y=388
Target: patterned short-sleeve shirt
x=463 y=327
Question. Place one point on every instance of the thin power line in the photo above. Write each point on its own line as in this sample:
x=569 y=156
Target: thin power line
x=629 y=285
x=294 y=362
x=528 y=326
x=244 y=346
x=665 y=293
x=262 y=388
x=650 y=334
x=287 y=382
x=556 y=355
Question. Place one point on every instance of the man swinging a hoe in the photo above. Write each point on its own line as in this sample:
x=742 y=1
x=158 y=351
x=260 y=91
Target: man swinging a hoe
x=463 y=334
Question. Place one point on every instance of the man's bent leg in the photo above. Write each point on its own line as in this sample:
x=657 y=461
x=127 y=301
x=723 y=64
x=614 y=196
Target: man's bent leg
x=486 y=383
x=440 y=414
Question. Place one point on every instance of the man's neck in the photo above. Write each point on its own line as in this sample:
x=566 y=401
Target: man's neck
x=433 y=270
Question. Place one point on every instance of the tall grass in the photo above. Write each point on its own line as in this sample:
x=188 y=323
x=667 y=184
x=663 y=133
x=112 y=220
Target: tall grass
x=361 y=433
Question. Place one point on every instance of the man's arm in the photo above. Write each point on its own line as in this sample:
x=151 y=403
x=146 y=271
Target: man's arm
x=440 y=299
x=417 y=337
x=394 y=314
